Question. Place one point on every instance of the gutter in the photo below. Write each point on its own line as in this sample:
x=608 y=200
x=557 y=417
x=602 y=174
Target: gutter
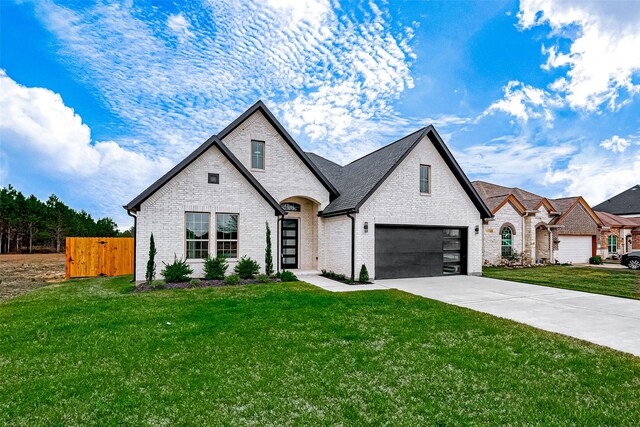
x=353 y=244
x=135 y=241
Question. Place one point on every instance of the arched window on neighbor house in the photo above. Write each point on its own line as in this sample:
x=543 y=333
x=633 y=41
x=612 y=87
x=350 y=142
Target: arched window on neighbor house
x=507 y=241
x=612 y=243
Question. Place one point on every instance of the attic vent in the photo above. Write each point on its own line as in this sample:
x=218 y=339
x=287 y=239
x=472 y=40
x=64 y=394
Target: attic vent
x=214 y=178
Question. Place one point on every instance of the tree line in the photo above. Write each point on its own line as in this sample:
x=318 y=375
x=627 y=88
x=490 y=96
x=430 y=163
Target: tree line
x=28 y=224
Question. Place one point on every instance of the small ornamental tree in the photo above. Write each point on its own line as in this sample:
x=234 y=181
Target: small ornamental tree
x=364 y=274
x=268 y=259
x=214 y=268
x=151 y=263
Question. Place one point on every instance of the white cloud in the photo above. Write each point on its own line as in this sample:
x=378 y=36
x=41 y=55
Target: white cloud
x=35 y=123
x=603 y=56
x=524 y=102
x=615 y=144
x=36 y=119
x=595 y=176
x=512 y=160
x=343 y=71
x=179 y=25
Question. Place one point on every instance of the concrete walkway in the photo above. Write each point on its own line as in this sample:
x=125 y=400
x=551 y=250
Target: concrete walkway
x=609 y=321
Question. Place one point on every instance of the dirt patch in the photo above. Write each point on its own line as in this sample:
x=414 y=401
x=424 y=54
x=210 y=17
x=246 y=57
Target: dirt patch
x=22 y=273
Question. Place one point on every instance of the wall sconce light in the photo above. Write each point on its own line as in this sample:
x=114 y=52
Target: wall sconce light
x=366 y=227
x=477 y=229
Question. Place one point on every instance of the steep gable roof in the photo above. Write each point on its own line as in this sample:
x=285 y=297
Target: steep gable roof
x=260 y=106
x=625 y=203
x=358 y=180
x=216 y=140
x=213 y=141
x=566 y=204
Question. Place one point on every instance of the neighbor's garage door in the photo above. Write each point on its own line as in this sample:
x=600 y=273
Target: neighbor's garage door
x=415 y=251
x=574 y=249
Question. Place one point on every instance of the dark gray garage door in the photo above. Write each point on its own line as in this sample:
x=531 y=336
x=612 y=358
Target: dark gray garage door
x=417 y=251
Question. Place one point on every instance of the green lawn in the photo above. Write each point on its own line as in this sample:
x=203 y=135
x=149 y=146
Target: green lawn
x=89 y=352
x=616 y=282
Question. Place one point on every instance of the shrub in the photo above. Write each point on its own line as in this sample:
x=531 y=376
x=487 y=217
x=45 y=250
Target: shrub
x=151 y=263
x=287 y=276
x=263 y=278
x=268 y=259
x=247 y=268
x=364 y=274
x=595 y=260
x=195 y=282
x=176 y=272
x=214 y=268
x=234 y=279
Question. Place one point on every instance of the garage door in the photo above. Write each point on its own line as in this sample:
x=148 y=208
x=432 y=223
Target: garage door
x=416 y=251
x=574 y=249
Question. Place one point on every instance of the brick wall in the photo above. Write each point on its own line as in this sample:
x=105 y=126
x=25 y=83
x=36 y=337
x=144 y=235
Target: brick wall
x=335 y=244
x=284 y=174
x=578 y=222
x=164 y=213
x=398 y=201
x=492 y=246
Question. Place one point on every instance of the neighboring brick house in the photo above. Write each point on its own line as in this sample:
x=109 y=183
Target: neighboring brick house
x=619 y=235
x=405 y=210
x=544 y=230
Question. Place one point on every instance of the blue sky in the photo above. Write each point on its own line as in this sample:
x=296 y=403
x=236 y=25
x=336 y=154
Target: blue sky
x=99 y=99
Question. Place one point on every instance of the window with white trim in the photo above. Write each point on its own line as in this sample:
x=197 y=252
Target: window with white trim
x=612 y=244
x=197 y=234
x=257 y=155
x=506 y=238
x=425 y=179
x=227 y=235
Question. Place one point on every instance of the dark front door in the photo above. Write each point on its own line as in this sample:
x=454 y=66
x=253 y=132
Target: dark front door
x=289 y=243
x=415 y=251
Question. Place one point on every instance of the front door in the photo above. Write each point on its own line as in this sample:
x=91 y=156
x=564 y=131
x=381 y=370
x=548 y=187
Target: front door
x=289 y=243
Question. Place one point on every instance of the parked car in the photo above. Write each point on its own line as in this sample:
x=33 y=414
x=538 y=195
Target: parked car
x=631 y=260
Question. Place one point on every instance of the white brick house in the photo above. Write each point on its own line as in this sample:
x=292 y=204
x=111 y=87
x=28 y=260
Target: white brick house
x=405 y=210
x=542 y=229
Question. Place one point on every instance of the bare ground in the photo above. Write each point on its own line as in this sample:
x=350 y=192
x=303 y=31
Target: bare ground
x=21 y=273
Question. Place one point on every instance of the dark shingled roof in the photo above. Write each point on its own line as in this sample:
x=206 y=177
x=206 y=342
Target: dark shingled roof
x=625 y=203
x=360 y=178
x=349 y=186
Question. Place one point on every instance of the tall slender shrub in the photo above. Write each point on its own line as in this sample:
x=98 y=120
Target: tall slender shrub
x=151 y=263
x=268 y=259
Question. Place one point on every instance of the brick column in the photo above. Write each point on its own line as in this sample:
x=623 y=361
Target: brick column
x=635 y=241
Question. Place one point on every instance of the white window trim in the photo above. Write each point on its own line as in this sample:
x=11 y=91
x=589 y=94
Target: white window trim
x=614 y=244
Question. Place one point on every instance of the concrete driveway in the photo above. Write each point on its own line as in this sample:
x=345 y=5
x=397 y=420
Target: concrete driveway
x=609 y=321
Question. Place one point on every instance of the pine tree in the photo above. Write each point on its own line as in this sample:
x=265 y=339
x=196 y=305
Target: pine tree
x=268 y=259
x=151 y=263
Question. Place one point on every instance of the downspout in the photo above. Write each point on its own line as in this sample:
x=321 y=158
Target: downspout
x=135 y=242
x=278 y=231
x=353 y=245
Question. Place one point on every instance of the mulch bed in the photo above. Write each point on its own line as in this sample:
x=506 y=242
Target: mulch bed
x=143 y=287
x=346 y=282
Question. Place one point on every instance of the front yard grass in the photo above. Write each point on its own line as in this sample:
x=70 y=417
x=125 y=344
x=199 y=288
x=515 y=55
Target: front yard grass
x=91 y=352
x=598 y=280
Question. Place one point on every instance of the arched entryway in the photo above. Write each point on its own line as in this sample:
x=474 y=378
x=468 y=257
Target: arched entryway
x=543 y=243
x=299 y=234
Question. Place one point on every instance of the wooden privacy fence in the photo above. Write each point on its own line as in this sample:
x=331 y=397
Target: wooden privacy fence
x=99 y=256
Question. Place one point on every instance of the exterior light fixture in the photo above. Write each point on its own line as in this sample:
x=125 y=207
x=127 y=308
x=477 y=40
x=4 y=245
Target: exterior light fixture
x=477 y=229
x=366 y=227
